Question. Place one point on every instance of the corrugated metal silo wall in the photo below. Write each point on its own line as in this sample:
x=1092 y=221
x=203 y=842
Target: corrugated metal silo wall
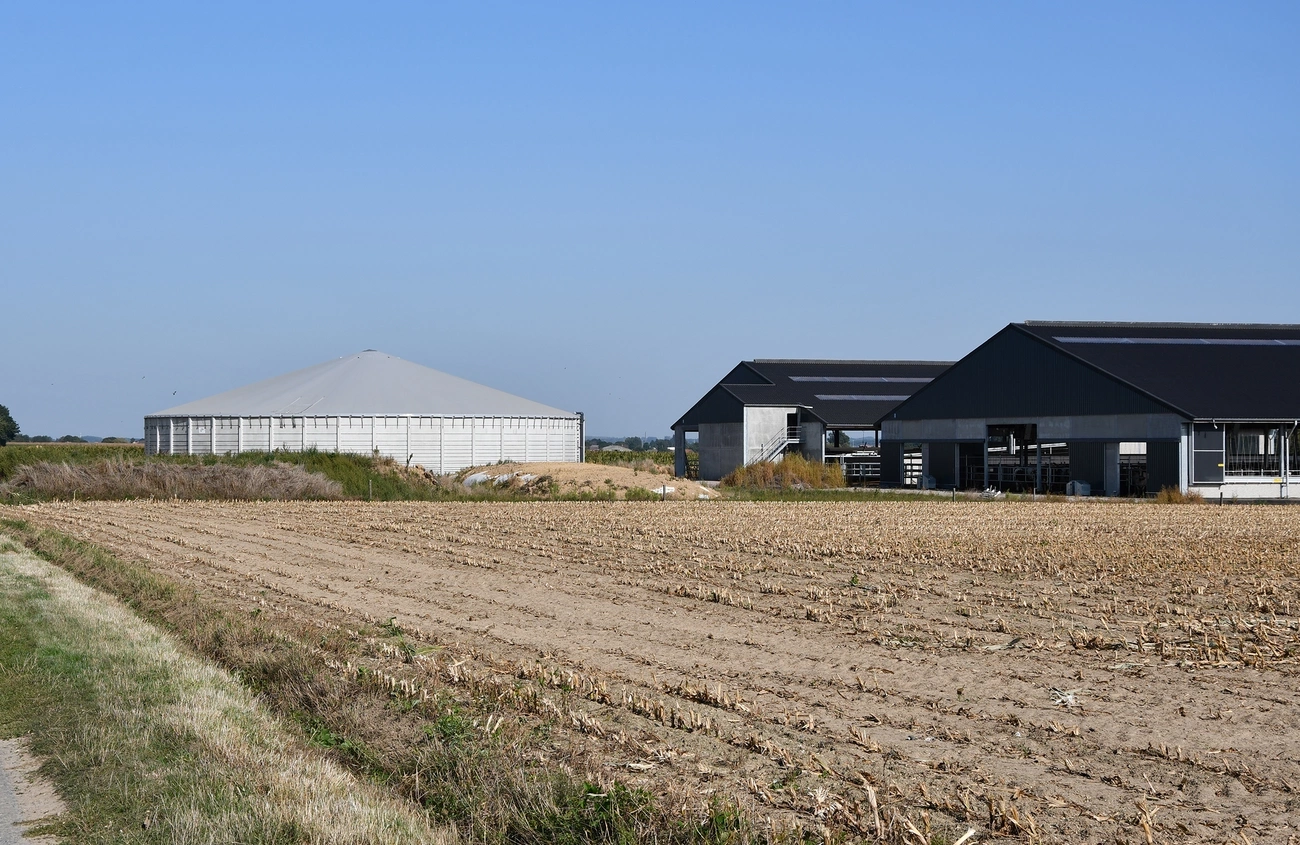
x=440 y=444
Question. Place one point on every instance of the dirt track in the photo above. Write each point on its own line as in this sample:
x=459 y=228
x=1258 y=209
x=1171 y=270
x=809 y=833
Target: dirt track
x=1071 y=672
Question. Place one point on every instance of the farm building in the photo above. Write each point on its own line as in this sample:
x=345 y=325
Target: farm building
x=1124 y=408
x=366 y=403
x=763 y=409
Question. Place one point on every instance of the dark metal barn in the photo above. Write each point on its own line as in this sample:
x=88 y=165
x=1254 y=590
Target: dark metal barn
x=1119 y=408
x=826 y=410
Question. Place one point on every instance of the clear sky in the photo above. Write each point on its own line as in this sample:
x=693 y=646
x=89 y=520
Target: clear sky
x=604 y=207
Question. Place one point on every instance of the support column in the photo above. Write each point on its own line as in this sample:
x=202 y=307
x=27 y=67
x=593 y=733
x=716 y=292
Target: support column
x=679 y=452
x=1185 y=458
x=1110 y=468
x=189 y=436
x=1286 y=462
x=1038 y=470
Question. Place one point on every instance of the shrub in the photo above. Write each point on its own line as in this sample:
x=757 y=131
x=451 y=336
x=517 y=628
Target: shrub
x=1174 y=496
x=792 y=471
x=629 y=459
x=641 y=494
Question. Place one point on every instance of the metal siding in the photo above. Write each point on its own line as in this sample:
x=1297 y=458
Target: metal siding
x=891 y=464
x=717 y=406
x=722 y=448
x=440 y=444
x=1014 y=375
x=1209 y=371
x=1088 y=464
x=1162 y=466
x=180 y=435
x=227 y=435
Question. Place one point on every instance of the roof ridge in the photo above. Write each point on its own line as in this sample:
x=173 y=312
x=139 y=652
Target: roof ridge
x=841 y=361
x=1156 y=325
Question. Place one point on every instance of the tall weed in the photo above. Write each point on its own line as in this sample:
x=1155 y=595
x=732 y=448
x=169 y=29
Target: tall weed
x=792 y=472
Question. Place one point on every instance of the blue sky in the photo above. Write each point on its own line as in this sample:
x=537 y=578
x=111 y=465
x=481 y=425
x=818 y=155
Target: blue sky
x=604 y=206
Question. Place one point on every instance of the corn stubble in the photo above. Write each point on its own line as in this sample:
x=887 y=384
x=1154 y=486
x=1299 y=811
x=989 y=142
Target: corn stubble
x=900 y=672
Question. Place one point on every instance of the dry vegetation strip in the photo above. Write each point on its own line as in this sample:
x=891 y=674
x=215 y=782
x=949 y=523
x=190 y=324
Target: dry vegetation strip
x=126 y=479
x=1057 y=672
x=148 y=744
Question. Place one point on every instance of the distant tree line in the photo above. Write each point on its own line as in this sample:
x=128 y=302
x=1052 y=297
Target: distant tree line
x=8 y=428
x=11 y=433
x=636 y=444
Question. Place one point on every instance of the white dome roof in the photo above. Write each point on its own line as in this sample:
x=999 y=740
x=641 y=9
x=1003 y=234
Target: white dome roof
x=367 y=383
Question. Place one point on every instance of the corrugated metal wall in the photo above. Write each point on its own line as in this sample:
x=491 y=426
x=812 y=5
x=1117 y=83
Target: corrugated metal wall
x=1162 y=466
x=1015 y=375
x=440 y=444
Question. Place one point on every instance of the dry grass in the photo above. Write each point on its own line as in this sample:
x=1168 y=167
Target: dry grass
x=791 y=472
x=203 y=760
x=1174 y=496
x=126 y=479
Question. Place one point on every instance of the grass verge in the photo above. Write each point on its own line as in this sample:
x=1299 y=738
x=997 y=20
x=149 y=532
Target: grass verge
x=148 y=744
x=482 y=768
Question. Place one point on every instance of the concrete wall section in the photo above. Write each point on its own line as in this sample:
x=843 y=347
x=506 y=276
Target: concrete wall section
x=722 y=449
x=762 y=424
x=812 y=441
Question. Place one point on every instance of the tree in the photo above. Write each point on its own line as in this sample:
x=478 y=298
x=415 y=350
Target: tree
x=8 y=428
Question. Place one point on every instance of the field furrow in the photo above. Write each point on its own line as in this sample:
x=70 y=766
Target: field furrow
x=1072 y=672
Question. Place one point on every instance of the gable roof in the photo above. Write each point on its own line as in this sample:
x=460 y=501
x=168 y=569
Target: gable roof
x=1221 y=371
x=843 y=394
x=366 y=383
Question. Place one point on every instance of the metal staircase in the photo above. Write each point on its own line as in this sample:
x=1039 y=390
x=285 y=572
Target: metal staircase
x=777 y=444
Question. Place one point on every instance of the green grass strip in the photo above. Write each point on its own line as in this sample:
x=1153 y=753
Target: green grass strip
x=147 y=743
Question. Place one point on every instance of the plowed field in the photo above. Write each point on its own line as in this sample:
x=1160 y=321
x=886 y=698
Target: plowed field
x=1058 y=672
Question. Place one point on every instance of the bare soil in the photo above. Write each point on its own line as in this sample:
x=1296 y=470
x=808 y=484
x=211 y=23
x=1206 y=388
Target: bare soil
x=25 y=797
x=1058 y=672
x=598 y=478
